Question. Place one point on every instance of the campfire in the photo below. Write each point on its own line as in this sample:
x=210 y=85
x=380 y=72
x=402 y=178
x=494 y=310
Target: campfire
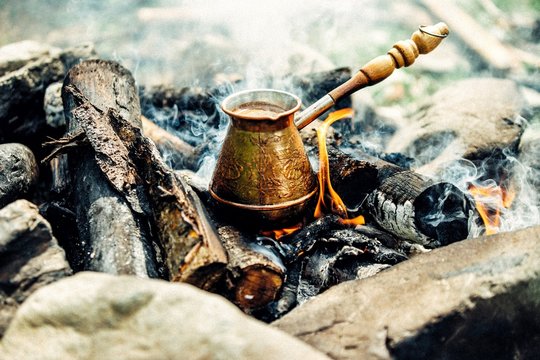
x=305 y=199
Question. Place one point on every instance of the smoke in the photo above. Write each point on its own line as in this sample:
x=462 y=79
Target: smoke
x=200 y=43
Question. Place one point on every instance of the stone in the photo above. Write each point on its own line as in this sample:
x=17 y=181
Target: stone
x=474 y=299
x=472 y=119
x=18 y=172
x=100 y=316
x=26 y=70
x=29 y=257
x=15 y=55
x=54 y=107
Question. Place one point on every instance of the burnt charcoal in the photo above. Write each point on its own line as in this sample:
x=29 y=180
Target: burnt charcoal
x=180 y=109
x=442 y=213
x=311 y=87
x=302 y=241
x=326 y=253
x=340 y=256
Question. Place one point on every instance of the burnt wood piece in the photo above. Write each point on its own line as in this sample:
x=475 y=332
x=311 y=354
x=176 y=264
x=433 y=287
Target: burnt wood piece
x=255 y=271
x=255 y=274
x=181 y=105
x=112 y=232
x=327 y=252
x=22 y=91
x=176 y=151
x=404 y=203
x=18 y=172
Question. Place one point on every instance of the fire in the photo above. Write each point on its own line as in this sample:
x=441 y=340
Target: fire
x=490 y=201
x=329 y=200
x=279 y=233
x=359 y=220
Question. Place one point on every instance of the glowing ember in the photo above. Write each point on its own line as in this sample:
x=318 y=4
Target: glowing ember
x=490 y=201
x=329 y=200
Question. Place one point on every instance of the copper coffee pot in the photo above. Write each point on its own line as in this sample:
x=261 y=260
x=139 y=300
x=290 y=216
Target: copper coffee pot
x=263 y=174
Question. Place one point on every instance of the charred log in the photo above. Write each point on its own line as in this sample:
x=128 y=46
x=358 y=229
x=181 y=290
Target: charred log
x=18 y=172
x=407 y=204
x=131 y=164
x=113 y=231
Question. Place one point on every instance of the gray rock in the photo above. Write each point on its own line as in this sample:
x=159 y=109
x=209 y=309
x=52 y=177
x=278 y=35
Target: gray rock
x=29 y=257
x=471 y=118
x=18 y=172
x=475 y=299
x=54 y=107
x=16 y=55
x=99 y=316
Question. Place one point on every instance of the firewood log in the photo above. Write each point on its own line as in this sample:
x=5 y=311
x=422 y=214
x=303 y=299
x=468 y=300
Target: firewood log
x=18 y=172
x=130 y=163
x=115 y=237
x=255 y=278
x=180 y=153
x=403 y=202
x=254 y=274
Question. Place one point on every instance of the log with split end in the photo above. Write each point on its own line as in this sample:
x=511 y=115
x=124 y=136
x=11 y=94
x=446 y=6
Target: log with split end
x=405 y=203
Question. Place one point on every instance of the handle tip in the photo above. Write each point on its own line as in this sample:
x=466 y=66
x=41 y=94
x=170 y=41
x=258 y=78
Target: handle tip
x=428 y=38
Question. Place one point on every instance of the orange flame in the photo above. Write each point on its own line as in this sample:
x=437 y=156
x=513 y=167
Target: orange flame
x=329 y=200
x=490 y=201
x=279 y=233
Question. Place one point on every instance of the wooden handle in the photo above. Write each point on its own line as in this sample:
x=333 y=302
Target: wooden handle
x=403 y=53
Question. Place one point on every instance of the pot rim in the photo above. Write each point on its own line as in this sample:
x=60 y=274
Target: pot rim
x=225 y=104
